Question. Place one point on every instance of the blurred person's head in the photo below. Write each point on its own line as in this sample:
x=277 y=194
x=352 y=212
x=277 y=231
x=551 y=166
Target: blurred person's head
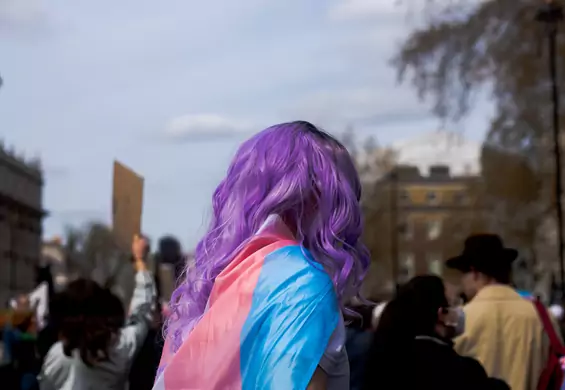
x=421 y=307
x=300 y=174
x=23 y=302
x=484 y=261
x=140 y=247
x=89 y=321
x=169 y=249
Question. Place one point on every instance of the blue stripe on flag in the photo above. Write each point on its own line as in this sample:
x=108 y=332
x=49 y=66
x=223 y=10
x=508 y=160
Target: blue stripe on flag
x=293 y=315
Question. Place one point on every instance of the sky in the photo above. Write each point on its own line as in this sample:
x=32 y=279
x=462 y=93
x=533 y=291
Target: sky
x=171 y=89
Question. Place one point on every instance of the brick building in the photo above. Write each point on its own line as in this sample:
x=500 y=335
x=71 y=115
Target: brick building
x=21 y=213
x=421 y=220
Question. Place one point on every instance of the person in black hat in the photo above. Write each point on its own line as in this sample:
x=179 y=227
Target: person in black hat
x=484 y=261
x=502 y=329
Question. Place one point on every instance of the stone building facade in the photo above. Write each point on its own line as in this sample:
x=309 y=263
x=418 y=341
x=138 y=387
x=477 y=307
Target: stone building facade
x=422 y=219
x=21 y=213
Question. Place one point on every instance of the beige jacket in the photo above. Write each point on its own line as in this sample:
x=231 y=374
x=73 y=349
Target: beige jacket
x=503 y=332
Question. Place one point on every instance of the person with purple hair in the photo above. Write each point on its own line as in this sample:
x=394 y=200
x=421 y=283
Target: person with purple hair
x=261 y=305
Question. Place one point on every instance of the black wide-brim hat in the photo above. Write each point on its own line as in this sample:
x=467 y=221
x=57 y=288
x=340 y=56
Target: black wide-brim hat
x=484 y=253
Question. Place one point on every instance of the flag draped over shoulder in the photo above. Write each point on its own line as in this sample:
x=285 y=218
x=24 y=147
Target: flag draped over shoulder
x=270 y=317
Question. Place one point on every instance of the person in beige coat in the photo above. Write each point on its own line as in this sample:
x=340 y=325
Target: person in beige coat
x=502 y=330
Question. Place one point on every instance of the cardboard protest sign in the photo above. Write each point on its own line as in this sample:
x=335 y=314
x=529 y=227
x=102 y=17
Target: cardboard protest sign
x=127 y=205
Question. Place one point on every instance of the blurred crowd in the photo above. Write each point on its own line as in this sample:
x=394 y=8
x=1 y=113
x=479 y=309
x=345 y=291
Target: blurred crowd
x=86 y=338
x=424 y=337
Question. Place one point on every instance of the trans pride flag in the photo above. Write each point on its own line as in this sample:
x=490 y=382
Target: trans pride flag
x=269 y=319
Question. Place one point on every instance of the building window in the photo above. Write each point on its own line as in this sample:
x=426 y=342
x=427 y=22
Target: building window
x=434 y=229
x=435 y=265
x=404 y=196
x=460 y=198
x=456 y=229
x=431 y=197
x=406 y=229
x=407 y=266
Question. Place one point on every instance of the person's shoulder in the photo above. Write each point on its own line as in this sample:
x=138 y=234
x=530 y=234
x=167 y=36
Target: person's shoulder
x=56 y=352
x=56 y=364
x=516 y=307
x=294 y=264
x=478 y=377
x=293 y=281
x=525 y=309
x=521 y=309
x=467 y=370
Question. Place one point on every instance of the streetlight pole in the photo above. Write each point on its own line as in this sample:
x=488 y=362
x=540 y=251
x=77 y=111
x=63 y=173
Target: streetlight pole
x=550 y=14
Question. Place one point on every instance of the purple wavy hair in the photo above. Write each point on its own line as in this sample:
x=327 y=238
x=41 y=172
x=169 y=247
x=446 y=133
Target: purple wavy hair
x=286 y=170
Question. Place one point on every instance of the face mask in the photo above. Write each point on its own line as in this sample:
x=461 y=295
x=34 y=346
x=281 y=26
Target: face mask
x=457 y=325
x=377 y=311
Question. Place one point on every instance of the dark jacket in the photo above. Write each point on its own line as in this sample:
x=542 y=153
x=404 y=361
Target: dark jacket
x=424 y=363
x=357 y=346
x=146 y=363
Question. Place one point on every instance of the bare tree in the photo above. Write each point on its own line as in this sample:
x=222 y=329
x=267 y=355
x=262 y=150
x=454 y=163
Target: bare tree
x=466 y=47
x=373 y=162
x=92 y=252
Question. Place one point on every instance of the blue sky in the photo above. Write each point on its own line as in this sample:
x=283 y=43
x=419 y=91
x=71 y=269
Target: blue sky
x=171 y=88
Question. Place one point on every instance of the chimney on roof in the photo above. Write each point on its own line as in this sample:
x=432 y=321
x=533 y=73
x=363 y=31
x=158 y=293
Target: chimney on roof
x=439 y=171
x=407 y=172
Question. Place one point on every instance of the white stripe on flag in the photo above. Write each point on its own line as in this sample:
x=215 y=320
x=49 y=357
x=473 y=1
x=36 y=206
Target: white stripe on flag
x=160 y=382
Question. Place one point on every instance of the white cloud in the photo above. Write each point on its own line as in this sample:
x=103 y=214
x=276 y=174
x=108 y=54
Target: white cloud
x=204 y=125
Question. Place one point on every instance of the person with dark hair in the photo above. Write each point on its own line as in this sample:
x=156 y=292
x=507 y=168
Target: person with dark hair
x=170 y=252
x=505 y=332
x=412 y=347
x=97 y=346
